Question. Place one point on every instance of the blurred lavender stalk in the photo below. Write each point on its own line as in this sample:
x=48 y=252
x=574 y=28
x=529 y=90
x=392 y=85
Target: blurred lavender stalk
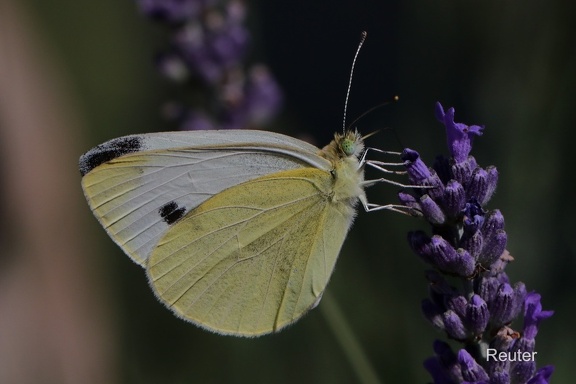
x=468 y=245
x=207 y=50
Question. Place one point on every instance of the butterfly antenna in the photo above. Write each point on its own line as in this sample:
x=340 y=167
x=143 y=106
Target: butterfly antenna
x=394 y=99
x=362 y=39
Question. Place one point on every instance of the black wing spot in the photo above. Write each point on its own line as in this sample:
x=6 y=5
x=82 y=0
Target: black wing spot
x=109 y=151
x=171 y=213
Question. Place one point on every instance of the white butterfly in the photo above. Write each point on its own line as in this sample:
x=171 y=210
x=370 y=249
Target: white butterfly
x=238 y=230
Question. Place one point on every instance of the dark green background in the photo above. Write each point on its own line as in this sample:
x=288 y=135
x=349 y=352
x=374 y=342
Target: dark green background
x=509 y=65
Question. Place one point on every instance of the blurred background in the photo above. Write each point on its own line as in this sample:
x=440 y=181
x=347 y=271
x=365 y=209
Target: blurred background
x=73 y=74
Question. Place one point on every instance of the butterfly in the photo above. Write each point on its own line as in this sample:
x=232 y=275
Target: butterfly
x=238 y=230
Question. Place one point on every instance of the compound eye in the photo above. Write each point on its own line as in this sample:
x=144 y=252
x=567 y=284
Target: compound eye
x=348 y=147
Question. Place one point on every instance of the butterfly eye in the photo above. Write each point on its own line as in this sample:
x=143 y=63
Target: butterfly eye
x=348 y=147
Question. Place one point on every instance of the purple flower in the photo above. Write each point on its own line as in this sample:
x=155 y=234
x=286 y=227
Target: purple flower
x=533 y=314
x=469 y=242
x=207 y=52
x=444 y=367
x=173 y=11
x=459 y=135
x=477 y=315
x=542 y=376
x=472 y=372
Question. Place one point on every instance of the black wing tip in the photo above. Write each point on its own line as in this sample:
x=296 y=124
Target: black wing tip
x=110 y=150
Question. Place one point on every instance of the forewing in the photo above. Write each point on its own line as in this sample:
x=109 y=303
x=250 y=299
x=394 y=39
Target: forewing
x=137 y=186
x=253 y=258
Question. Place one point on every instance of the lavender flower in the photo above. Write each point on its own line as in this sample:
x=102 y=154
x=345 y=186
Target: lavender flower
x=208 y=49
x=468 y=244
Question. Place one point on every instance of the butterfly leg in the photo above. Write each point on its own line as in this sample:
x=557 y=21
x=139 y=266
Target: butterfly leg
x=379 y=165
x=370 y=207
x=369 y=183
x=381 y=151
x=364 y=155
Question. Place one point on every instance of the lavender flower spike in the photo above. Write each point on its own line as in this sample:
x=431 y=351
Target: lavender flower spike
x=468 y=243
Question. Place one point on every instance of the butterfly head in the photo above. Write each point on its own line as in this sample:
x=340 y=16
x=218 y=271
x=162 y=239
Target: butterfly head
x=344 y=145
x=350 y=143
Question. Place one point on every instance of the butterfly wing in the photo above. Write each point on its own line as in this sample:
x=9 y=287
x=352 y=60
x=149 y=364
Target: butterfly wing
x=139 y=185
x=255 y=257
